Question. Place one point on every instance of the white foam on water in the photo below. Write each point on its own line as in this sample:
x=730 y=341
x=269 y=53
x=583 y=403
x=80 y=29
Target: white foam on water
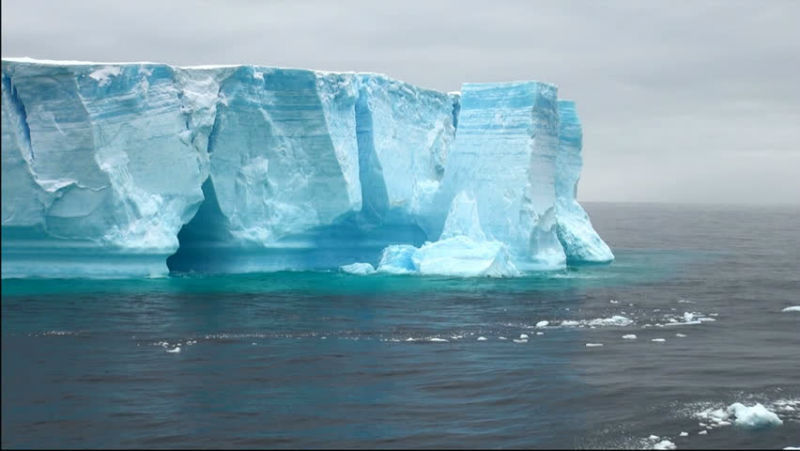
x=658 y=340
x=629 y=337
x=482 y=338
x=703 y=432
x=539 y=333
x=437 y=340
x=502 y=338
x=684 y=434
x=594 y=345
x=521 y=340
x=523 y=336
x=680 y=335
x=542 y=323
x=174 y=350
x=794 y=308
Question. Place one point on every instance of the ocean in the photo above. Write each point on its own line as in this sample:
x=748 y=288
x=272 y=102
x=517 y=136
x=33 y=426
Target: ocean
x=326 y=359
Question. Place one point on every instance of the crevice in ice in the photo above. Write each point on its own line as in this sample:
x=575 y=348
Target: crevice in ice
x=199 y=239
x=374 y=196
x=22 y=114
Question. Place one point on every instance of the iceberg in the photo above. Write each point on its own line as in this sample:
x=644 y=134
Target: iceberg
x=575 y=232
x=142 y=169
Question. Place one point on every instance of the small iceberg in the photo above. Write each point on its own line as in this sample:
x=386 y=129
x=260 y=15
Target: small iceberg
x=361 y=269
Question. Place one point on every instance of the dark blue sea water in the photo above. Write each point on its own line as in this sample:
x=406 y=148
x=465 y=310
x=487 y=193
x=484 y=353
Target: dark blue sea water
x=335 y=360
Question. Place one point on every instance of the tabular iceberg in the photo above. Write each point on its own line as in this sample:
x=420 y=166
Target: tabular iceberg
x=141 y=168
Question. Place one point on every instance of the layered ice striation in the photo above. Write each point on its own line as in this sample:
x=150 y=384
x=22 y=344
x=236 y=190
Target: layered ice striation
x=139 y=169
x=575 y=232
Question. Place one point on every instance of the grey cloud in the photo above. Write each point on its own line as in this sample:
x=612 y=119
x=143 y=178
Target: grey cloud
x=682 y=101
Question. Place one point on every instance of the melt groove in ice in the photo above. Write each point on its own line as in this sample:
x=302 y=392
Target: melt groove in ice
x=141 y=168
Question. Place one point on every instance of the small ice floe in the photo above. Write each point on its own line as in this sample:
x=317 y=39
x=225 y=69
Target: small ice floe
x=523 y=336
x=653 y=437
x=612 y=301
x=539 y=333
x=629 y=337
x=684 y=434
x=437 y=340
x=410 y=339
x=361 y=269
x=752 y=417
x=658 y=340
x=794 y=308
x=482 y=338
x=703 y=432
x=542 y=323
x=792 y=447
x=502 y=338
x=594 y=345
x=680 y=335
x=520 y=340
x=664 y=444
x=174 y=350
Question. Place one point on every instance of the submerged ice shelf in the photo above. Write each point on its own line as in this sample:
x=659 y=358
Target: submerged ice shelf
x=142 y=168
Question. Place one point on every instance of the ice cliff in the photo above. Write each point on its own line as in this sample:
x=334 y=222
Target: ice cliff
x=138 y=169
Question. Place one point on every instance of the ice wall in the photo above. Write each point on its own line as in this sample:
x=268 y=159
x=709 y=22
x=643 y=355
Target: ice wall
x=96 y=164
x=108 y=169
x=575 y=232
x=504 y=156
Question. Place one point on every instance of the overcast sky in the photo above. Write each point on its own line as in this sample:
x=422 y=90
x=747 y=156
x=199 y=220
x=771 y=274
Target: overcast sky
x=695 y=101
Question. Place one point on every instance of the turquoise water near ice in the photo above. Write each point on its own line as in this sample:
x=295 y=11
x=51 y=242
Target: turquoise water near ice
x=325 y=359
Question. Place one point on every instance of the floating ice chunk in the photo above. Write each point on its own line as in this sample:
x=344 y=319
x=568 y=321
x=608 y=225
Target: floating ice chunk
x=680 y=335
x=523 y=336
x=398 y=259
x=756 y=416
x=521 y=340
x=664 y=444
x=174 y=350
x=629 y=337
x=594 y=345
x=794 y=308
x=542 y=323
x=658 y=340
x=653 y=437
x=358 y=268
x=482 y=338
x=540 y=333
x=703 y=432
x=502 y=338
x=684 y=434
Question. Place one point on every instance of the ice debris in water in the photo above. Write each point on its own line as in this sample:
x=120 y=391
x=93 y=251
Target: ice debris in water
x=594 y=345
x=684 y=434
x=543 y=323
x=616 y=320
x=629 y=337
x=664 y=445
x=361 y=269
x=174 y=350
x=794 y=308
x=680 y=335
x=482 y=338
x=658 y=340
x=755 y=416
